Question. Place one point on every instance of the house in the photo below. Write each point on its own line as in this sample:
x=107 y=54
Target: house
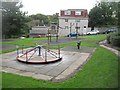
x=42 y=31
x=38 y=31
x=71 y=20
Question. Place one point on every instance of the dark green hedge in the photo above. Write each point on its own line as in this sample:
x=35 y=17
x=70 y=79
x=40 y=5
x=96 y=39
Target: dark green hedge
x=114 y=39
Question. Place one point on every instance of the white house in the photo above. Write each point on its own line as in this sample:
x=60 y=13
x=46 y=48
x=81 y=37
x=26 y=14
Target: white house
x=71 y=19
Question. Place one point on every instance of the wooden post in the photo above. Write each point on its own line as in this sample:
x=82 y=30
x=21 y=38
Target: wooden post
x=45 y=55
x=26 y=56
x=70 y=28
x=17 y=47
x=59 y=51
x=76 y=30
x=22 y=49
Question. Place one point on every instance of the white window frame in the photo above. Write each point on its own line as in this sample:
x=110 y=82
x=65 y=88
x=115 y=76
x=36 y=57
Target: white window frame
x=66 y=27
x=66 y=20
x=67 y=12
x=77 y=20
x=77 y=12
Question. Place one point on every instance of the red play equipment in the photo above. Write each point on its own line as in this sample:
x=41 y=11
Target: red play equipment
x=37 y=55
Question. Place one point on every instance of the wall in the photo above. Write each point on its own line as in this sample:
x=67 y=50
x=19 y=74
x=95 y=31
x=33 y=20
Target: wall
x=65 y=31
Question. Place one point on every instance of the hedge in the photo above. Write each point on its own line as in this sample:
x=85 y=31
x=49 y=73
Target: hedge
x=114 y=39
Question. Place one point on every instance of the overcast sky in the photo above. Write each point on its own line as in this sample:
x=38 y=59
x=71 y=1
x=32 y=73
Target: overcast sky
x=50 y=7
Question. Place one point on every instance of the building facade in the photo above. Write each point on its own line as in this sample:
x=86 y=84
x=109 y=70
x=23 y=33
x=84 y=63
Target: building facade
x=38 y=31
x=43 y=31
x=72 y=19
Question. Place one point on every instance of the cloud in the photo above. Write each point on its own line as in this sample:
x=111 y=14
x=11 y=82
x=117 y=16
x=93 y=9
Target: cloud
x=50 y=7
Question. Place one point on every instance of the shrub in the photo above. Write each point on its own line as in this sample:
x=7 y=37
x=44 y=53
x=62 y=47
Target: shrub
x=114 y=39
x=108 y=39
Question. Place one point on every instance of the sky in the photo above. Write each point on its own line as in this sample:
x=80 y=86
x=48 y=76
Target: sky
x=50 y=7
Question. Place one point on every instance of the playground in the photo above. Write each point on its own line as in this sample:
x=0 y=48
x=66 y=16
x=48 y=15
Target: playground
x=77 y=68
x=67 y=65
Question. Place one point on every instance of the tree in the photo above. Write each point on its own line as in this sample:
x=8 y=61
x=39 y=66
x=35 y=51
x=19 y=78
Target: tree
x=13 y=20
x=43 y=19
x=53 y=18
x=103 y=14
x=40 y=19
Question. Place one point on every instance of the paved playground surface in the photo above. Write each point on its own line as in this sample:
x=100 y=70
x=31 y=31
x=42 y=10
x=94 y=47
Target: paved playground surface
x=71 y=62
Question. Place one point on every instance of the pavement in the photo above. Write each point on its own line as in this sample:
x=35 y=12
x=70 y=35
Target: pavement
x=108 y=47
x=7 y=46
x=72 y=61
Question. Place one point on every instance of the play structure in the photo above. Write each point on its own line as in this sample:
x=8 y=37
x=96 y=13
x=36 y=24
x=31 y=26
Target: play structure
x=37 y=55
x=41 y=53
x=52 y=32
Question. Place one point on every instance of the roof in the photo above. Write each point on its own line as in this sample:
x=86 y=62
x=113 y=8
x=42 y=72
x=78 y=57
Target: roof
x=74 y=9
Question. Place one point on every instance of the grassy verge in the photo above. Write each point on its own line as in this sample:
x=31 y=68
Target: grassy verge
x=26 y=41
x=101 y=71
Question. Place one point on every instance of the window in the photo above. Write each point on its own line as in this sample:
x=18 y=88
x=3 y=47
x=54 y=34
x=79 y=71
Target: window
x=66 y=27
x=77 y=27
x=77 y=20
x=66 y=20
x=77 y=12
x=84 y=26
x=67 y=12
x=53 y=27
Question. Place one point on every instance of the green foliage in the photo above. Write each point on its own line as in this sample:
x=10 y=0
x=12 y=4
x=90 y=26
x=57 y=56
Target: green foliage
x=53 y=18
x=115 y=39
x=104 y=14
x=108 y=39
x=13 y=21
x=40 y=19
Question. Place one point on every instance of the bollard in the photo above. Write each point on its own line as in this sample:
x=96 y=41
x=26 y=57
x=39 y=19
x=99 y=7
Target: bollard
x=78 y=45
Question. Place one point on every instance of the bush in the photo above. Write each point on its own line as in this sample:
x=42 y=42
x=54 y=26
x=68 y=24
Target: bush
x=108 y=39
x=114 y=39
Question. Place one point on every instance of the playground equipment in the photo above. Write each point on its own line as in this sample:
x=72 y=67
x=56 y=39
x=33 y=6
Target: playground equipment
x=37 y=55
x=52 y=32
x=41 y=54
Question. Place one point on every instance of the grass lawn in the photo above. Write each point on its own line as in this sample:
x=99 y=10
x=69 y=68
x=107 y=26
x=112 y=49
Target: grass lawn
x=91 y=42
x=101 y=71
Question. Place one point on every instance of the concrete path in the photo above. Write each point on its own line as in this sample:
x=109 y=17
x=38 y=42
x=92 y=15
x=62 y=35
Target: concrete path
x=56 y=72
x=104 y=44
x=112 y=49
